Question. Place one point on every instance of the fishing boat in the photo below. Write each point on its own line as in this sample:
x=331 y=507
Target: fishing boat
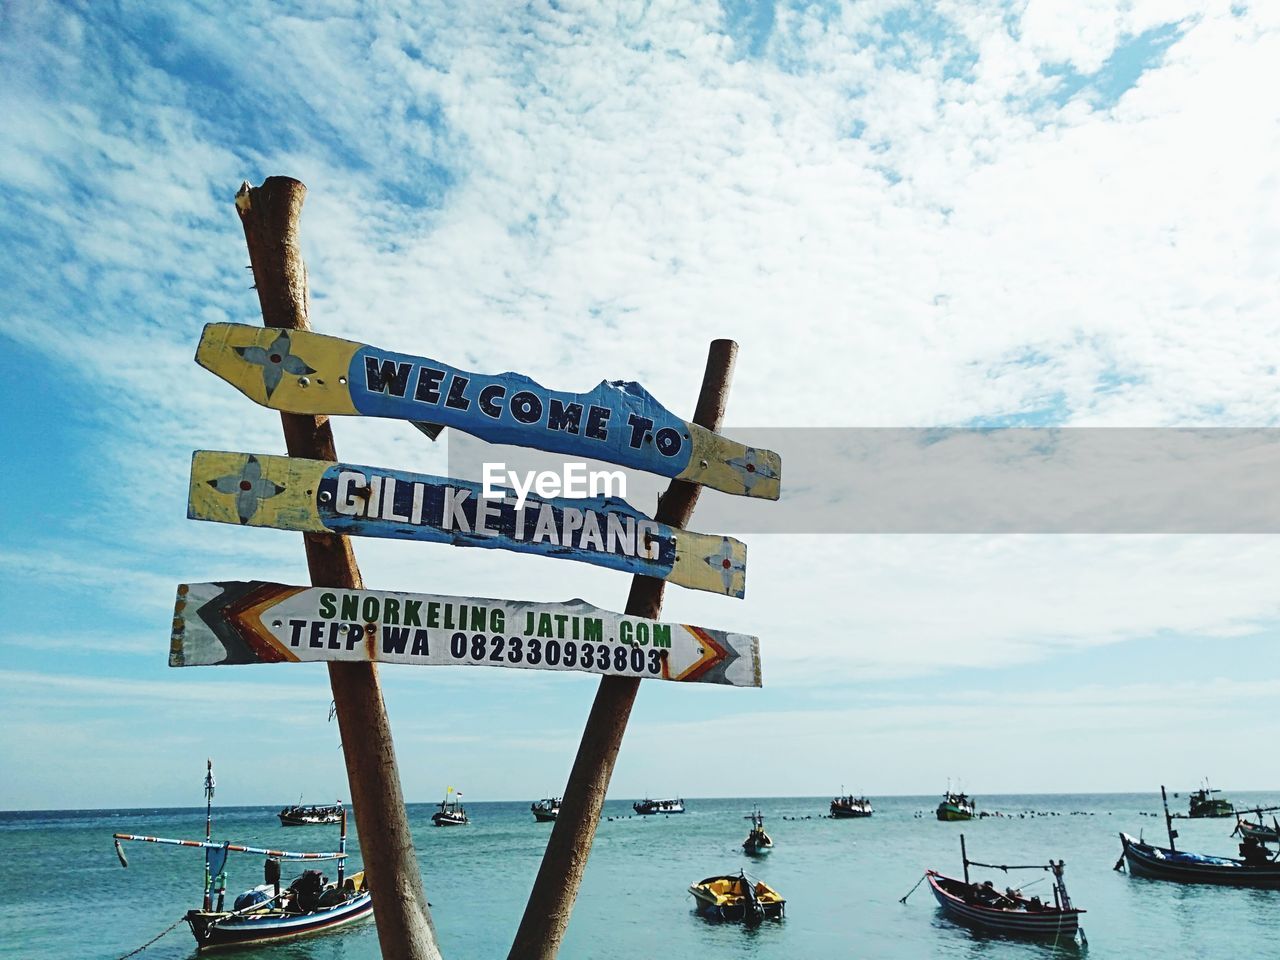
x=1203 y=803
x=758 y=842
x=1011 y=913
x=955 y=806
x=737 y=897
x=1255 y=867
x=1257 y=829
x=451 y=812
x=649 y=807
x=300 y=815
x=268 y=911
x=546 y=810
x=849 y=806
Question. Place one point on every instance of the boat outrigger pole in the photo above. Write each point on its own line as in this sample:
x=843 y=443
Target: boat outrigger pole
x=1168 y=818
x=233 y=848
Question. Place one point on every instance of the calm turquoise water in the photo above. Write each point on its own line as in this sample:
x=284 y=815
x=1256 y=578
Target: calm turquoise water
x=65 y=894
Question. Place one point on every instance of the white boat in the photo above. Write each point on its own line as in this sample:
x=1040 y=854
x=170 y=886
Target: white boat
x=648 y=807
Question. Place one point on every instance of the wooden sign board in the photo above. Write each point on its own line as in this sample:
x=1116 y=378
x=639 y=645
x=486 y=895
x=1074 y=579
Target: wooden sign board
x=254 y=622
x=288 y=493
x=617 y=422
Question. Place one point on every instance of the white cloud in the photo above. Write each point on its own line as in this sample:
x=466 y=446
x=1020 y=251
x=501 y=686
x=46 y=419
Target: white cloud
x=892 y=235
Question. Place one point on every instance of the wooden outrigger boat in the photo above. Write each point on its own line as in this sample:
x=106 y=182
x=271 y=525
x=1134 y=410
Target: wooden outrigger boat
x=1258 y=830
x=955 y=806
x=1255 y=868
x=649 y=807
x=758 y=842
x=451 y=812
x=1203 y=803
x=267 y=912
x=306 y=815
x=546 y=811
x=737 y=897
x=849 y=807
x=1009 y=913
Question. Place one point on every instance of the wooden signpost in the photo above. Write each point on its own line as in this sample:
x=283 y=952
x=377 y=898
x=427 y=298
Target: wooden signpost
x=617 y=422
x=308 y=377
x=237 y=622
x=288 y=493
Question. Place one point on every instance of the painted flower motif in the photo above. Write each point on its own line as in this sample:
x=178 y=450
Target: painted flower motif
x=726 y=564
x=751 y=469
x=276 y=360
x=248 y=486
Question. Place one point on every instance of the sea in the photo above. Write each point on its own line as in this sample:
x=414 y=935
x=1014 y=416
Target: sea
x=65 y=895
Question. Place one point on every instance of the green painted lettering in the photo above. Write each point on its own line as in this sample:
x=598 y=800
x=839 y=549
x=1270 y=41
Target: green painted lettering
x=350 y=607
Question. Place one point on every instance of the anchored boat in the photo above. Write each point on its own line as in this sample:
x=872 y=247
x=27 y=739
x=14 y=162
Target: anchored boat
x=1203 y=803
x=1255 y=867
x=1011 y=913
x=737 y=897
x=849 y=806
x=758 y=842
x=1257 y=829
x=955 y=806
x=267 y=911
x=546 y=810
x=648 y=807
x=451 y=813
x=300 y=815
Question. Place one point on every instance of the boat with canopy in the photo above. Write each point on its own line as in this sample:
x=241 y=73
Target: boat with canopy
x=848 y=807
x=1203 y=803
x=649 y=807
x=308 y=815
x=955 y=806
x=546 y=810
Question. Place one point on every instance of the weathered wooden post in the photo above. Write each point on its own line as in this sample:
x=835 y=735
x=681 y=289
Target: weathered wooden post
x=270 y=216
x=555 y=889
x=309 y=377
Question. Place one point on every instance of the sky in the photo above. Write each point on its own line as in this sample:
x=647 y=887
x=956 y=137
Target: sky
x=907 y=214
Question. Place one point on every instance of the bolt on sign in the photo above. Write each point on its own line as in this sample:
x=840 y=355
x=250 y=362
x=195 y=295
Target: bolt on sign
x=319 y=496
x=617 y=422
x=254 y=622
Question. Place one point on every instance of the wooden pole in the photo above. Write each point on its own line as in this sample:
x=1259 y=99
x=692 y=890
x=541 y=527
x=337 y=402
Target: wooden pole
x=270 y=215
x=556 y=888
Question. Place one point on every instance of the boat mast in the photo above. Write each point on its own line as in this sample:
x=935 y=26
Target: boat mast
x=208 y=831
x=1060 y=884
x=1168 y=818
x=963 y=853
x=342 y=846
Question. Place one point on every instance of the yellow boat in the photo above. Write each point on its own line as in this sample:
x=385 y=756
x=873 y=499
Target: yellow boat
x=739 y=897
